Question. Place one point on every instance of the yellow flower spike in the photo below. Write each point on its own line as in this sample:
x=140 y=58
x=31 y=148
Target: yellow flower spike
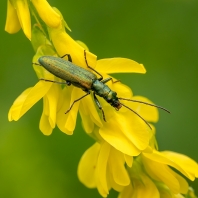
x=48 y=118
x=119 y=65
x=47 y=13
x=116 y=163
x=27 y=99
x=12 y=22
x=64 y=44
x=23 y=14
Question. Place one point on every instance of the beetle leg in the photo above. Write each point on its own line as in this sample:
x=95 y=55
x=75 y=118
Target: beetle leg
x=101 y=77
x=67 y=82
x=36 y=64
x=106 y=80
x=99 y=106
x=77 y=101
x=69 y=57
x=115 y=81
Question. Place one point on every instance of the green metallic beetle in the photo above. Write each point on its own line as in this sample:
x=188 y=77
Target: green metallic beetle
x=86 y=80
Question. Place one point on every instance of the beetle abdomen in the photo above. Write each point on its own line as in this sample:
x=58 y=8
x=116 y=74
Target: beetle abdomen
x=67 y=71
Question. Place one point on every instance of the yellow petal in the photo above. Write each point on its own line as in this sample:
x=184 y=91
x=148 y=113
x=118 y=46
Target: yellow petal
x=128 y=160
x=182 y=163
x=23 y=16
x=89 y=114
x=12 y=22
x=135 y=129
x=102 y=168
x=52 y=99
x=127 y=192
x=64 y=44
x=87 y=123
x=111 y=181
x=44 y=124
x=111 y=133
x=116 y=163
x=119 y=65
x=47 y=14
x=182 y=182
x=50 y=110
x=87 y=166
x=178 y=196
x=67 y=122
x=27 y=99
x=161 y=172
x=145 y=187
x=189 y=166
x=164 y=191
x=149 y=113
x=72 y=115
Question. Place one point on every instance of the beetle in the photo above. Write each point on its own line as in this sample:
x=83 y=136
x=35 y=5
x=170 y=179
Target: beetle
x=87 y=81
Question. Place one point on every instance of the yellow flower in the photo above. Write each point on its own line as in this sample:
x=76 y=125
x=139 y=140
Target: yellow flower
x=151 y=177
x=102 y=167
x=18 y=15
x=125 y=131
x=117 y=145
x=50 y=17
x=64 y=44
x=191 y=193
x=157 y=164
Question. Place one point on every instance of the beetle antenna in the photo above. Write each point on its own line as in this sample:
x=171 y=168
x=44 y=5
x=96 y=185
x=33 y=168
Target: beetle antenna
x=137 y=115
x=159 y=107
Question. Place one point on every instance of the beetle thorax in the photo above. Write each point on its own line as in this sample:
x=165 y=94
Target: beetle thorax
x=104 y=91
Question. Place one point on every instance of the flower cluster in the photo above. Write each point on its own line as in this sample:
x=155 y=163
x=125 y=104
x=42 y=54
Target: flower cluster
x=125 y=156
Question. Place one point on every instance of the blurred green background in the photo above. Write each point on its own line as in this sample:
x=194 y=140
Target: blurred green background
x=163 y=35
